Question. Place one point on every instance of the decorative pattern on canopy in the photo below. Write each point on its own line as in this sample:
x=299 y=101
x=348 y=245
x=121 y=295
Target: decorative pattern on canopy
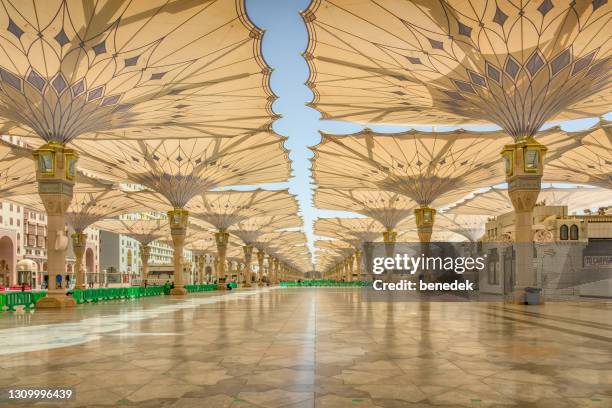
x=354 y=231
x=142 y=230
x=223 y=209
x=137 y=69
x=180 y=169
x=93 y=200
x=17 y=171
x=495 y=201
x=251 y=229
x=516 y=64
x=588 y=163
x=470 y=226
x=385 y=207
x=431 y=168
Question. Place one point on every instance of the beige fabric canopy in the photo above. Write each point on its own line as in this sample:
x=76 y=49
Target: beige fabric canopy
x=17 y=171
x=495 y=201
x=223 y=209
x=385 y=207
x=470 y=226
x=432 y=169
x=131 y=69
x=203 y=246
x=588 y=163
x=515 y=64
x=144 y=231
x=180 y=169
x=249 y=230
x=354 y=231
x=93 y=200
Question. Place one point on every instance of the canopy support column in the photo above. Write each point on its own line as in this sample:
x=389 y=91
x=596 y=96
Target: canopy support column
x=200 y=263
x=260 y=263
x=145 y=253
x=55 y=174
x=79 y=243
x=221 y=239
x=358 y=255
x=524 y=169
x=248 y=256
x=178 y=228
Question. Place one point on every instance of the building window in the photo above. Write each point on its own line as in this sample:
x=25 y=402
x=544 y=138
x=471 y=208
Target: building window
x=574 y=232
x=563 y=233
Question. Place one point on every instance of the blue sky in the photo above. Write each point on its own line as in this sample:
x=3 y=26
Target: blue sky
x=284 y=41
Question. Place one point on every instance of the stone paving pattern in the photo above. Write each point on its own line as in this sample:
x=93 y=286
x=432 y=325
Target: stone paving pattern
x=324 y=347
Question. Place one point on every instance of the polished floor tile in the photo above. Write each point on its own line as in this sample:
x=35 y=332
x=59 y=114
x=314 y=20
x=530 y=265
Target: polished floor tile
x=309 y=347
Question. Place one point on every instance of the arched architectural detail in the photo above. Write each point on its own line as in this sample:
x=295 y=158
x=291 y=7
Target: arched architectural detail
x=564 y=233
x=574 y=233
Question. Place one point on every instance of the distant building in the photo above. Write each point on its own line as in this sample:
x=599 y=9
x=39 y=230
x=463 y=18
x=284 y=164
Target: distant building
x=572 y=253
x=23 y=235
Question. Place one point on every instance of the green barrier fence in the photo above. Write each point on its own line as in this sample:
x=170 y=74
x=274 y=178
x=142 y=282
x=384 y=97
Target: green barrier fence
x=96 y=295
x=324 y=282
x=9 y=300
x=200 y=288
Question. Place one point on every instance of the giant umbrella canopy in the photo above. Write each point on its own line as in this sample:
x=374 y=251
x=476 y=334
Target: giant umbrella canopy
x=115 y=70
x=178 y=170
x=359 y=232
x=93 y=200
x=450 y=62
x=17 y=171
x=495 y=201
x=144 y=231
x=223 y=209
x=250 y=229
x=430 y=169
x=588 y=163
x=388 y=208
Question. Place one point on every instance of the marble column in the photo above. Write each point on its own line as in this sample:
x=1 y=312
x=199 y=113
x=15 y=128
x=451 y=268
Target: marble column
x=389 y=238
x=248 y=257
x=55 y=174
x=79 y=243
x=260 y=263
x=368 y=255
x=270 y=268
x=221 y=239
x=145 y=253
x=350 y=261
x=425 y=217
x=276 y=264
x=524 y=168
x=200 y=262
x=358 y=255
x=178 y=229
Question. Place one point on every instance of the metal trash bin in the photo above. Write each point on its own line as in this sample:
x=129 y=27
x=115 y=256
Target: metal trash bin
x=533 y=296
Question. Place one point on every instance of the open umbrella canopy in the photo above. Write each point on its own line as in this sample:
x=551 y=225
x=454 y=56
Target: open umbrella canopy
x=137 y=69
x=430 y=168
x=223 y=209
x=517 y=65
x=93 y=200
x=250 y=229
x=588 y=163
x=180 y=169
x=17 y=170
x=144 y=231
x=354 y=231
x=385 y=207
x=495 y=201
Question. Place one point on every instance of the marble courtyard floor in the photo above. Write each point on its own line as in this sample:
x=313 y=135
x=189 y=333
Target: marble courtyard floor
x=309 y=347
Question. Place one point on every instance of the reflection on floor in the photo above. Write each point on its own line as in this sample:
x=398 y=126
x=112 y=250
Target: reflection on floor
x=313 y=347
